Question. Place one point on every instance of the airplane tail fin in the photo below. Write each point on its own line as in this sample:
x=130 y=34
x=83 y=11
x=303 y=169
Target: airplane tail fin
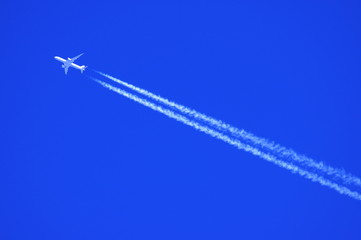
x=83 y=68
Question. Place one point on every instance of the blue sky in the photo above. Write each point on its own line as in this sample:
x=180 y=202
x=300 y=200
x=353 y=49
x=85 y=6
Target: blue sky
x=80 y=162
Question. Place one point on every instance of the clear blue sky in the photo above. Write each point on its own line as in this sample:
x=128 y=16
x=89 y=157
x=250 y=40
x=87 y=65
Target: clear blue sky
x=80 y=162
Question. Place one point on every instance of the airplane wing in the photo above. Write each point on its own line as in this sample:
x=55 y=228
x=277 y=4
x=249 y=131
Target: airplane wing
x=75 y=58
x=66 y=70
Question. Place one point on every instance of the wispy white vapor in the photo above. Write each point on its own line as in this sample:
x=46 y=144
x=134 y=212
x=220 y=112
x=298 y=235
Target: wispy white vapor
x=276 y=149
x=234 y=142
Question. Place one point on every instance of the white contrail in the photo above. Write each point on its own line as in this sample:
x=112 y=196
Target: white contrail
x=279 y=150
x=234 y=142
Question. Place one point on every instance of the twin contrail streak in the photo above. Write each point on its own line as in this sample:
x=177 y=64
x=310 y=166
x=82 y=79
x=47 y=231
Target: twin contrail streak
x=278 y=150
x=234 y=142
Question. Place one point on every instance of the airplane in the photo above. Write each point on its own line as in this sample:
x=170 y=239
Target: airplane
x=70 y=63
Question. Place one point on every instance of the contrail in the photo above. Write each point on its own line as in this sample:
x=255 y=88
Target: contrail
x=234 y=142
x=276 y=149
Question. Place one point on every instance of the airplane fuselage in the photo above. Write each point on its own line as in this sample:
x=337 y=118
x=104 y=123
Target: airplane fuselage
x=70 y=63
x=67 y=63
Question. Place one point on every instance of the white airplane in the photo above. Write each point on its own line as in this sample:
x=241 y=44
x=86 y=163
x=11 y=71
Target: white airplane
x=70 y=63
